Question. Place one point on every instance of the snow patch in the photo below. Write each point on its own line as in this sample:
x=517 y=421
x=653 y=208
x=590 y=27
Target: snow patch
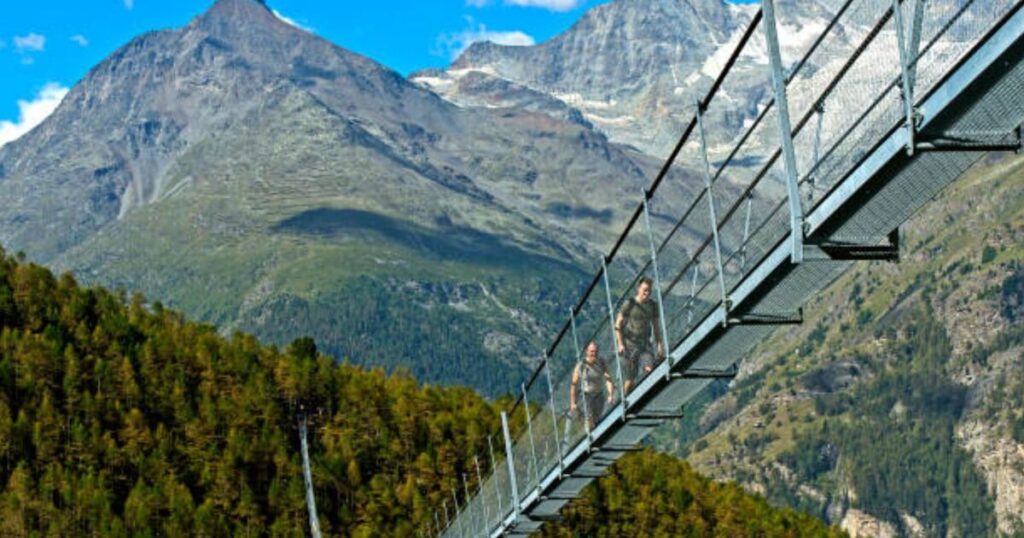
x=618 y=121
x=485 y=69
x=438 y=84
x=577 y=100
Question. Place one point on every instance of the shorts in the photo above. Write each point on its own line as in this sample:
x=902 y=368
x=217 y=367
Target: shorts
x=593 y=406
x=637 y=361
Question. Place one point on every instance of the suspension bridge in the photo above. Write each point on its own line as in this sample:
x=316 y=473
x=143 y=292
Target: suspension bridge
x=891 y=102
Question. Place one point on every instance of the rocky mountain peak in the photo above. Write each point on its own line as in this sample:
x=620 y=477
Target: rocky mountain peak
x=233 y=18
x=621 y=65
x=618 y=41
x=122 y=128
x=629 y=67
x=242 y=5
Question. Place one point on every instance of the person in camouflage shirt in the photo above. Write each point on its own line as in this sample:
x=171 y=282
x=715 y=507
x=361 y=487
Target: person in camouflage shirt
x=638 y=334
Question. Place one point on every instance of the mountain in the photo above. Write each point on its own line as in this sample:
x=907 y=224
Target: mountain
x=634 y=68
x=899 y=413
x=261 y=178
x=119 y=419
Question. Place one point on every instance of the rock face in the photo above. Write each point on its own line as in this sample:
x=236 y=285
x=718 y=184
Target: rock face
x=832 y=377
x=862 y=525
x=632 y=67
x=1001 y=460
x=247 y=171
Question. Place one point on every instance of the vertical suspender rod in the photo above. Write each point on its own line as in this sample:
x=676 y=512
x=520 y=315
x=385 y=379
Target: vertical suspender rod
x=529 y=432
x=511 y=464
x=456 y=514
x=908 y=91
x=711 y=207
x=657 y=279
x=469 y=506
x=746 y=234
x=914 y=43
x=579 y=364
x=615 y=343
x=693 y=293
x=554 y=415
x=816 y=151
x=494 y=470
x=484 y=526
x=796 y=216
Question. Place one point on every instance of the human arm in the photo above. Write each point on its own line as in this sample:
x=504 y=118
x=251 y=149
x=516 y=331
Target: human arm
x=620 y=319
x=609 y=385
x=658 y=342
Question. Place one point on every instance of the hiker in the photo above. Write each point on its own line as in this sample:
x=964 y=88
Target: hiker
x=635 y=326
x=591 y=371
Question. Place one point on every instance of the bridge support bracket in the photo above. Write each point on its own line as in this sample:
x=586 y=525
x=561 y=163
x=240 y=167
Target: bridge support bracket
x=888 y=251
x=558 y=497
x=621 y=448
x=586 y=475
x=548 y=519
x=667 y=415
x=707 y=374
x=949 y=144
x=769 y=318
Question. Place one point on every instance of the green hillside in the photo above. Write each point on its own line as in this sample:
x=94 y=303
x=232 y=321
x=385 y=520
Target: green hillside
x=121 y=418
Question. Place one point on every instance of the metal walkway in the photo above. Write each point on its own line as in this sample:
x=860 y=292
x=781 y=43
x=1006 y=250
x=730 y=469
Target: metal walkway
x=891 y=102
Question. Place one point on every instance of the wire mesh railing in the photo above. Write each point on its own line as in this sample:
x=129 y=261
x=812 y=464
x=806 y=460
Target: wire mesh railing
x=849 y=84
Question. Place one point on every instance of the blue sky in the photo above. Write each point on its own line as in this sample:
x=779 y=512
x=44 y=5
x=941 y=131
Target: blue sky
x=46 y=48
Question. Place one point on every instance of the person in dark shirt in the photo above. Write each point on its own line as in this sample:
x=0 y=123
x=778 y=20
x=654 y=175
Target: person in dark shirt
x=591 y=373
x=638 y=334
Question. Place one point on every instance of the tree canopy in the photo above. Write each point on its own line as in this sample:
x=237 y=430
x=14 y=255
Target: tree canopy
x=121 y=418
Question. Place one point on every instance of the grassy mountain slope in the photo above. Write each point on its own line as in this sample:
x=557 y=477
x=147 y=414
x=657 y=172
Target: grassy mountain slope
x=297 y=244
x=897 y=408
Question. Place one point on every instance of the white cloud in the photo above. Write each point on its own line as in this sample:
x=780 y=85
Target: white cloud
x=455 y=44
x=80 y=39
x=129 y=4
x=32 y=113
x=291 y=21
x=553 y=5
x=32 y=42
